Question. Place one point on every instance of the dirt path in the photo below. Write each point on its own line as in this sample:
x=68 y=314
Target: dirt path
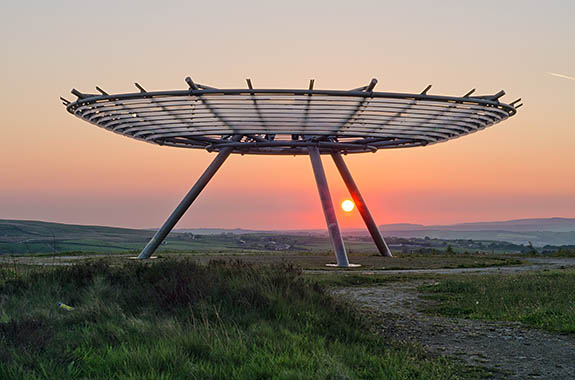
x=509 y=350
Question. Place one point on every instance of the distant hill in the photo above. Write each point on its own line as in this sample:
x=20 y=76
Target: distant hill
x=501 y=230
x=26 y=236
x=17 y=230
x=539 y=231
x=29 y=236
x=538 y=224
x=214 y=231
x=33 y=237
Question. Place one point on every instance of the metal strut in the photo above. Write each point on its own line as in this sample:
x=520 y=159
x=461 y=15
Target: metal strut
x=159 y=237
x=328 y=210
x=361 y=205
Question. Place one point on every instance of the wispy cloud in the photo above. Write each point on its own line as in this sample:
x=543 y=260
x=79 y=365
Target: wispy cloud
x=561 y=76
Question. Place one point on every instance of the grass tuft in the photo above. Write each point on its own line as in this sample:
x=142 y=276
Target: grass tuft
x=542 y=299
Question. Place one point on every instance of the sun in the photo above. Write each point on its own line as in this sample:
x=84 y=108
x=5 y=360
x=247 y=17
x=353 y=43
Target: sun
x=347 y=205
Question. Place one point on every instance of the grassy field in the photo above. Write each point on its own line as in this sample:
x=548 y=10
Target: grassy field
x=543 y=299
x=374 y=261
x=176 y=319
x=22 y=237
x=310 y=261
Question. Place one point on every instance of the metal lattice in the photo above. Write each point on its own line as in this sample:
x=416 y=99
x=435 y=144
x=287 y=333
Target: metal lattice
x=282 y=121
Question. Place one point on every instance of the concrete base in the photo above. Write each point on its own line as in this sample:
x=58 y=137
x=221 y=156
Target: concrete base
x=341 y=266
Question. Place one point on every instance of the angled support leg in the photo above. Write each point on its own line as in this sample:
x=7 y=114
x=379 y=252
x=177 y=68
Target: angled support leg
x=361 y=205
x=328 y=210
x=185 y=204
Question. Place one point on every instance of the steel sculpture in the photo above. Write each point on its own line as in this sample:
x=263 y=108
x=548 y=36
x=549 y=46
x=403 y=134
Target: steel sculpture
x=289 y=122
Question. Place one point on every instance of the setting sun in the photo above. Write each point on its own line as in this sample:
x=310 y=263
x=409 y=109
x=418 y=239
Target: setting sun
x=347 y=205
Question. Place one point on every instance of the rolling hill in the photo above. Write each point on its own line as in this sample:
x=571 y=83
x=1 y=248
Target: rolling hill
x=26 y=236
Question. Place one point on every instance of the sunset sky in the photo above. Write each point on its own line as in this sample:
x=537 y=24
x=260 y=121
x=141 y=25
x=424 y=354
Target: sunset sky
x=55 y=167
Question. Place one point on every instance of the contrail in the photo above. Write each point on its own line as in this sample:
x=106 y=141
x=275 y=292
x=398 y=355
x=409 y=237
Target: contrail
x=561 y=76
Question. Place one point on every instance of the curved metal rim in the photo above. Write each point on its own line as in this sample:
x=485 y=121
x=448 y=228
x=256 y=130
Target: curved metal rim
x=483 y=100
x=326 y=139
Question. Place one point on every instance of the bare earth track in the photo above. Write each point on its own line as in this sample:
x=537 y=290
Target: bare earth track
x=507 y=350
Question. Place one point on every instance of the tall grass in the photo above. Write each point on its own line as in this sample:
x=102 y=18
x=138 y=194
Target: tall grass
x=543 y=299
x=178 y=320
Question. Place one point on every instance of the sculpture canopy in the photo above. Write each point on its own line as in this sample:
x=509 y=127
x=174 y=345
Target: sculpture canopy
x=277 y=121
x=286 y=121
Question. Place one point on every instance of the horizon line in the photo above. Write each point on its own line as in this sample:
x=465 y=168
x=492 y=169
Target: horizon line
x=293 y=229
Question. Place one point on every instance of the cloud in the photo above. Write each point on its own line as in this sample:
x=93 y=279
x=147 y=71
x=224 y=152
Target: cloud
x=561 y=76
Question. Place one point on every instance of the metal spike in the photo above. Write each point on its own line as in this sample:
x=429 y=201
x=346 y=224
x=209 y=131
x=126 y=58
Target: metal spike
x=371 y=85
x=311 y=82
x=249 y=83
x=101 y=91
x=78 y=93
x=469 y=93
x=515 y=101
x=140 y=87
x=519 y=105
x=191 y=83
x=65 y=101
x=424 y=92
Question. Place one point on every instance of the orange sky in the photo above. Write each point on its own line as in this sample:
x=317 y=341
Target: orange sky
x=56 y=167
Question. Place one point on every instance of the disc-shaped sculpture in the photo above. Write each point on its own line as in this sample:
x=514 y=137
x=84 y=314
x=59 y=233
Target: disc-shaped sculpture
x=289 y=122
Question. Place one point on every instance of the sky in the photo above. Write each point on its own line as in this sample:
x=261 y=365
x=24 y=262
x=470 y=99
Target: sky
x=55 y=167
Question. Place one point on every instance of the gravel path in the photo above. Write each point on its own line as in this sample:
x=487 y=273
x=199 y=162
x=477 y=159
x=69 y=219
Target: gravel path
x=509 y=350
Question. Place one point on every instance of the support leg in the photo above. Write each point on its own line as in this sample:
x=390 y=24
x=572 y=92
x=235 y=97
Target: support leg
x=361 y=205
x=185 y=204
x=328 y=210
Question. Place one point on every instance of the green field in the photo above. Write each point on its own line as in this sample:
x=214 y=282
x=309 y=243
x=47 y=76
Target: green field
x=175 y=319
x=21 y=237
x=543 y=299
